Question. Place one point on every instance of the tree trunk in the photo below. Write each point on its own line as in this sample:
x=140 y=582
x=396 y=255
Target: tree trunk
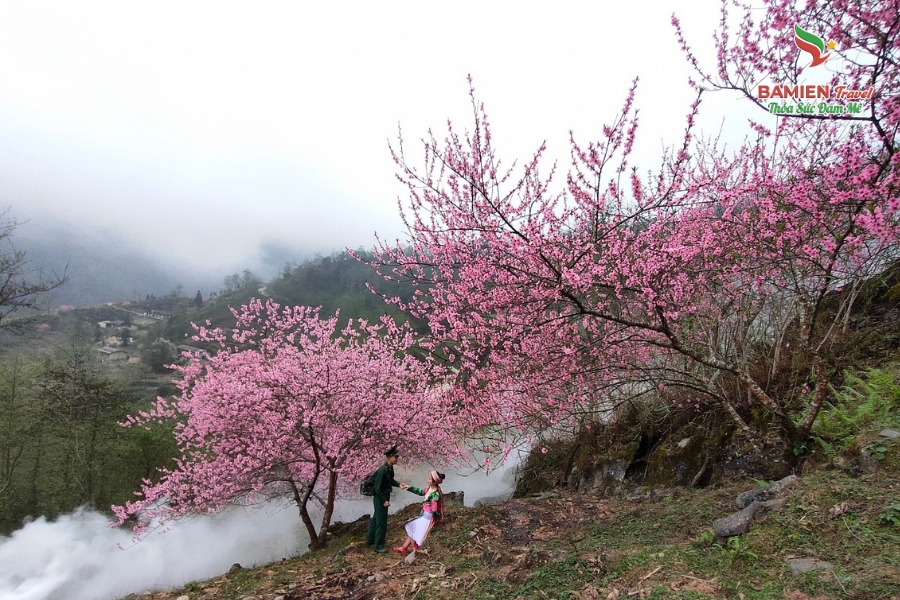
x=302 y=500
x=329 y=509
x=758 y=394
x=741 y=424
x=818 y=398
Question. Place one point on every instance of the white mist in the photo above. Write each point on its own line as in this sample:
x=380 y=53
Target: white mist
x=79 y=557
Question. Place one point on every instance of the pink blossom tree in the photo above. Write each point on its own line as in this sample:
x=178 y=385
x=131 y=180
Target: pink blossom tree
x=292 y=405
x=838 y=171
x=688 y=279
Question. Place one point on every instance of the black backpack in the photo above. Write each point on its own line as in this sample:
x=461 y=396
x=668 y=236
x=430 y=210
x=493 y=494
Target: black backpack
x=367 y=485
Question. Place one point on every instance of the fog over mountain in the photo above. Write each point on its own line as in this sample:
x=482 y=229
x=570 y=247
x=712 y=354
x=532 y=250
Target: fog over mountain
x=216 y=140
x=102 y=265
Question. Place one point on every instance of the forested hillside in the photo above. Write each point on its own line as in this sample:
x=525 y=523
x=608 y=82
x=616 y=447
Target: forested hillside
x=339 y=282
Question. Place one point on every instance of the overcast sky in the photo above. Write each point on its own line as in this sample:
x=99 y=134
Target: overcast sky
x=208 y=132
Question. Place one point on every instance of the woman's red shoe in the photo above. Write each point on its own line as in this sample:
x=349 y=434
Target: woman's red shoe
x=400 y=549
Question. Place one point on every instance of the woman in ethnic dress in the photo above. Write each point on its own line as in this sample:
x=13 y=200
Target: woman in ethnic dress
x=432 y=512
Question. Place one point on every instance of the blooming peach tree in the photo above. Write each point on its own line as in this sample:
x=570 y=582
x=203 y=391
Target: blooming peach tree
x=694 y=282
x=292 y=405
x=835 y=172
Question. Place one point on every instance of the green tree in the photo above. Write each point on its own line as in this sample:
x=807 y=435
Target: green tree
x=20 y=284
x=158 y=354
x=83 y=408
x=15 y=424
x=60 y=443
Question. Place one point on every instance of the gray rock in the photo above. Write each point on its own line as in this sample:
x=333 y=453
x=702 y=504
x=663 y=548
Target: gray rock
x=341 y=553
x=617 y=470
x=455 y=498
x=603 y=479
x=739 y=523
x=867 y=464
x=358 y=526
x=488 y=500
x=802 y=565
x=410 y=558
x=889 y=434
x=638 y=494
x=756 y=495
x=736 y=523
x=545 y=495
x=773 y=505
x=761 y=494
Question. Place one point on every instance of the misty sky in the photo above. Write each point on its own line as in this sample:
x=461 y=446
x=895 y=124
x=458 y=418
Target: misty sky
x=207 y=132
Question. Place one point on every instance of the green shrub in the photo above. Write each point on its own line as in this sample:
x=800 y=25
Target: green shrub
x=890 y=515
x=865 y=400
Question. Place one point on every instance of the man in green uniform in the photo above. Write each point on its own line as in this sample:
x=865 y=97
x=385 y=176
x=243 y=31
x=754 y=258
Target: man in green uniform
x=384 y=481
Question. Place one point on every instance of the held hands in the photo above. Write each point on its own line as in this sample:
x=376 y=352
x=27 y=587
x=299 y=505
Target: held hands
x=404 y=486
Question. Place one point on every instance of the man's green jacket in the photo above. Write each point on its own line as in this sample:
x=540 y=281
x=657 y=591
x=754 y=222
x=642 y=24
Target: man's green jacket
x=384 y=481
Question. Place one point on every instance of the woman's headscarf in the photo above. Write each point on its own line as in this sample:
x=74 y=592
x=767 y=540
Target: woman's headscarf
x=437 y=479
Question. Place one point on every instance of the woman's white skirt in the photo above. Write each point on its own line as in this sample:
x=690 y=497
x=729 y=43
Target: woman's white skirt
x=418 y=528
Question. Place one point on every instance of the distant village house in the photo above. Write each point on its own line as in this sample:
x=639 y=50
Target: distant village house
x=108 y=354
x=193 y=351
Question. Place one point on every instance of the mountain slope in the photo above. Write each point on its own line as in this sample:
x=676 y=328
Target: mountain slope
x=658 y=545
